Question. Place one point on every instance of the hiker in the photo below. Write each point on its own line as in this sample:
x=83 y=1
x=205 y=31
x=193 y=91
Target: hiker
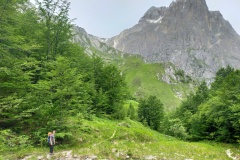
x=51 y=141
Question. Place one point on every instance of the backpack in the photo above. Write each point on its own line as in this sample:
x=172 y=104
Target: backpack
x=49 y=136
x=48 y=139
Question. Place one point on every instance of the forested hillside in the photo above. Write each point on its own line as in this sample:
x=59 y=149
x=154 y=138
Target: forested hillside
x=214 y=113
x=45 y=78
x=47 y=82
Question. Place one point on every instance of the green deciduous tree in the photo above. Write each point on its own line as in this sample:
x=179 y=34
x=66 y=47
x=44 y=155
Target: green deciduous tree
x=151 y=111
x=216 y=119
x=110 y=85
x=190 y=106
x=57 y=27
x=114 y=86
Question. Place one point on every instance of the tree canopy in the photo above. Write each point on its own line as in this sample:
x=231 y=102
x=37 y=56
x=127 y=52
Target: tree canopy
x=45 y=78
x=214 y=113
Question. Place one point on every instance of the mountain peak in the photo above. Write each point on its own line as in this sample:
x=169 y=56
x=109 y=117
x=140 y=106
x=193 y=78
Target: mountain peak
x=153 y=14
x=186 y=34
x=193 y=9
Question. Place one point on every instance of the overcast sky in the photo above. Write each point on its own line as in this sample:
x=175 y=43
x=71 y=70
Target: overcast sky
x=107 y=18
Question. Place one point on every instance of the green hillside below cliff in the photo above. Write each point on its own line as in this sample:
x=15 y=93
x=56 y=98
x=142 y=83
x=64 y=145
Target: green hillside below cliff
x=146 y=79
x=163 y=80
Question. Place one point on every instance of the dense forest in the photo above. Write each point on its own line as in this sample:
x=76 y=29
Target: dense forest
x=47 y=82
x=45 y=78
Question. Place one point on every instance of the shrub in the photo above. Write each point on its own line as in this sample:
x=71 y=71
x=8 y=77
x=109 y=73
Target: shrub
x=11 y=141
x=175 y=128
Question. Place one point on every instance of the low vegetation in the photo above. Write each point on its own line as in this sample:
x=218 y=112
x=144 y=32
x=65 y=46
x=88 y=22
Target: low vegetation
x=120 y=139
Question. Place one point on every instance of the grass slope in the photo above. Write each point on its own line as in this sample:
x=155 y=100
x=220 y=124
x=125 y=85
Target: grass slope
x=145 y=79
x=108 y=139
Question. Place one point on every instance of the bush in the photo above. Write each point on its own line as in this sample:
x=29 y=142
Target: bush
x=175 y=128
x=11 y=141
x=132 y=114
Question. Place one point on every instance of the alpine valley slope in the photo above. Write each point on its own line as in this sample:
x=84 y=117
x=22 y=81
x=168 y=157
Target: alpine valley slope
x=186 y=34
x=163 y=80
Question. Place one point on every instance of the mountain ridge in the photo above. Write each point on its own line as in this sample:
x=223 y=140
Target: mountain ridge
x=186 y=34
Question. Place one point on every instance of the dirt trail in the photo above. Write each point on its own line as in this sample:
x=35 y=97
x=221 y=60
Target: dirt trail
x=64 y=155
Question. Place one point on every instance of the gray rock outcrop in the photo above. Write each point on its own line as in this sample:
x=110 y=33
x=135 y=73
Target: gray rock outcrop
x=92 y=43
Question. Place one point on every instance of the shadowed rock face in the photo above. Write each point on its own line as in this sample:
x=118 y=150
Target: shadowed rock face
x=187 y=34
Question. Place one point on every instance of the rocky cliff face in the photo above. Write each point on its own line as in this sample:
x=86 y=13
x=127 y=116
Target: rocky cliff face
x=186 y=34
x=92 y=44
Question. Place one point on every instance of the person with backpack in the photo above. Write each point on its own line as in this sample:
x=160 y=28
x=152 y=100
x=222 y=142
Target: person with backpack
x=51 y=141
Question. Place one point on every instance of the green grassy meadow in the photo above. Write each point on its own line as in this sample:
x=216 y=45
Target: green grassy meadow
x=145 y=79
x=127 y=139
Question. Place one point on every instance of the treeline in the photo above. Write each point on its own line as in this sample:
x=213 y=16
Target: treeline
x=46 y=81
x=210 y=114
